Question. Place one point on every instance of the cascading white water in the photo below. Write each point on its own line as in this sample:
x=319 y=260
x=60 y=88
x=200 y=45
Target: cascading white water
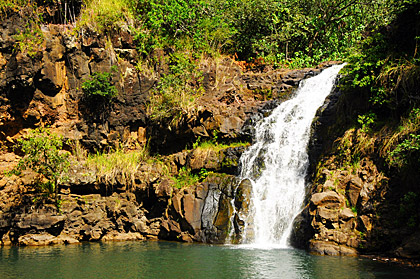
x=277 y=162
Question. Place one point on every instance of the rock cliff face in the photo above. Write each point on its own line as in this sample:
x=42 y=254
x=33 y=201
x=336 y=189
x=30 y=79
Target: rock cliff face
x=354 y=205
x=42 y=87
x=153 y=208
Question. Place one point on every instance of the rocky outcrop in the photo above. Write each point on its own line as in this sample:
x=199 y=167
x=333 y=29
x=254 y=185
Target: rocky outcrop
x=44 y=87
x=93 y=208
x=78 y=218
x=354 y=204
x=341 y=212
x=233 y=102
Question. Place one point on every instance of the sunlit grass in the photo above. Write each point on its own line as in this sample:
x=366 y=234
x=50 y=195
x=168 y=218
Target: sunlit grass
x=105 y=14
x=209 y=144
x=117 y=163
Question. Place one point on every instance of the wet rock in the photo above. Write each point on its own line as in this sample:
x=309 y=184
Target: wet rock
x=170 y=230
x=217 y=209
x=5 y=240
x=331 y=248
x=302 y=230
x=243 y=196
x=231 y=158
x=192 y=210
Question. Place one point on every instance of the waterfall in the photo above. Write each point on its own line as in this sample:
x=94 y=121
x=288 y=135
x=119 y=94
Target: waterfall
x=276 y=164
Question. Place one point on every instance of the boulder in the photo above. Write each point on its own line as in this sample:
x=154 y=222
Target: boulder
x=38 y=239
x=39 y=221
x=331 y=248
x=353 y=190
x=192 y=209
x=328 y=199
x=117 y=236
x=346 y=213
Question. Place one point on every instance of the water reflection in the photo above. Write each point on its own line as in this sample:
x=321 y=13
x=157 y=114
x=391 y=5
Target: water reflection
x=176 y=260
x=274 y=263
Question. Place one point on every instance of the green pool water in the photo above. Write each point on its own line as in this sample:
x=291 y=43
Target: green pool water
x=178 y=260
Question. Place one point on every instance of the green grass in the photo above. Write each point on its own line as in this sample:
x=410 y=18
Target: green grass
x=215 y=144
x=118 y=162
x=104 y=15
x=220 y=146
x=185 y=178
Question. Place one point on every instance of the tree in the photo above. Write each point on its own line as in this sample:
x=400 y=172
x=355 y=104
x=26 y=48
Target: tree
x=44 y=155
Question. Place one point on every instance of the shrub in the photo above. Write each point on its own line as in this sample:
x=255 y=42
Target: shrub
x=99 y=87
x=44 y=155
x=186 y=178
x=29 y=40
x=366 y=121
x=406 y=152
x=177 y=90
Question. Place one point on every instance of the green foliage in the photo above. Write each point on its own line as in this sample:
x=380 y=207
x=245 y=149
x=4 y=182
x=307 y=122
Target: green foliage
x=99 y=87
x=106 y=15
x=385 y=71
x=44 y=155
x=407 y=152
x=177 y=90
x=408 y=213
x=352 y=147
x=215 y=143
x=303 y=33
x=197 y=142
x=288 y=33
x=198 y=25
x=385 y=67
x=30 y=40
x=366 y=121
x=185 y=178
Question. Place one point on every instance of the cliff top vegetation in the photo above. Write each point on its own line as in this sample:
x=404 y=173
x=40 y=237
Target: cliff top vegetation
x=285 y=33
